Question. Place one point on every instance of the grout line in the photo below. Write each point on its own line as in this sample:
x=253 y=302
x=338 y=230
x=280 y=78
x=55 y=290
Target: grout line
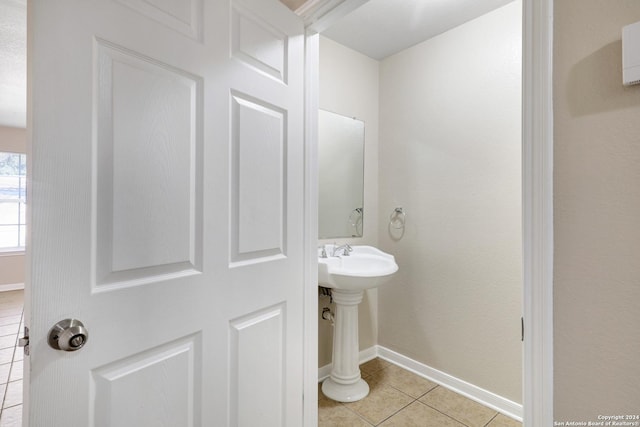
x=4 y=395
x=491 y=419
x=13 y=357
x=415 y=399
x=358 y=414
x=398 y=390
x=6 y=390
x=398 y=411
x=438 y=410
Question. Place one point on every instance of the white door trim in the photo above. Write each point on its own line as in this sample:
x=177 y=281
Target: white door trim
x=318 y=15
x=537 y=203
x=311 y=89
x=537 y=208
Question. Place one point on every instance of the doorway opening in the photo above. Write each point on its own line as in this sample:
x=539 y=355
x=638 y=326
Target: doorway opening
x=536 y=192
x=13 y=145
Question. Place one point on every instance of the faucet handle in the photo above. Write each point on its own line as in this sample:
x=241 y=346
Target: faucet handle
x=323 y=252
x=345 y=249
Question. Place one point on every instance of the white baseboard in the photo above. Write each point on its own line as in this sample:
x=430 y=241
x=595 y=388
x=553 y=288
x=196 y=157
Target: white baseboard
x=480 y=395
x=11 y=287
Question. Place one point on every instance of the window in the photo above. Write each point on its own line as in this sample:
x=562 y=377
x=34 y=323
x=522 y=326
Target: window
x=13 y=179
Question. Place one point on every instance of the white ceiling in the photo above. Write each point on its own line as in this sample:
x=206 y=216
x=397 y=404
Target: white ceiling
x=13 y=63
x=381 y=28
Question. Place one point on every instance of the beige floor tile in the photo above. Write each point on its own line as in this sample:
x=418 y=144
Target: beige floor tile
x=405 y=381
x=382 y=402
x=321 y=395
x=10 y=311
x=504 y=421
x=11 y=417
x=10 y=320
x=8 y=341
x=6 y=355
x=17 y=294
x=7 y=308
x=16 y=371
x=13 y=396
x=459 y=407
x=420 y=415
x=372 y=366
x=5 y=369
x=9 y=303
x=12 y=329
x=335 y=414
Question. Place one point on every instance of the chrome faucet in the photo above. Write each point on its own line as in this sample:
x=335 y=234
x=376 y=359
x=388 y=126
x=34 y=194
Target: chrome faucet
x=345 y=248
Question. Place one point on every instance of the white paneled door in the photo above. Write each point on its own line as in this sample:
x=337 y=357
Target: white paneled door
x=166 y=212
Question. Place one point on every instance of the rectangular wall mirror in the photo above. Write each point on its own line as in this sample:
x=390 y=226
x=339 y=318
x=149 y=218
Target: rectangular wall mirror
x=341 y=176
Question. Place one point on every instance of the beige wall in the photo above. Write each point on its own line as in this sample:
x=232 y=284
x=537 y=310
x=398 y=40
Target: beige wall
x=11 y=269
x=12 y=266
x=450 y=138
x=293 y=4
x=349 y=86
x=597 y=214
x=13 y=140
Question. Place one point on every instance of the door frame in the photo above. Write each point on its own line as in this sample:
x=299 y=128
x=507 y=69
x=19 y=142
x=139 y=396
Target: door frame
x=537 y=210
x=310 y=331
x=537 y=202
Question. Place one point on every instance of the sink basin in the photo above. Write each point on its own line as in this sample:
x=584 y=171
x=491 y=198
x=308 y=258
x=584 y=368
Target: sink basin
x=365 y=267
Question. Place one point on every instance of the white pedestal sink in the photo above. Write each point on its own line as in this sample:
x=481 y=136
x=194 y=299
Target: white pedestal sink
x=349 y=276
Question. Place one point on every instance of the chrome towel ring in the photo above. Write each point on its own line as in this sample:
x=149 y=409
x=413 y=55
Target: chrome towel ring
x=398 y=218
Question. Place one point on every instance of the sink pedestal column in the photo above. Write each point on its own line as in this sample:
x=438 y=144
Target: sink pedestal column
x=345 y=383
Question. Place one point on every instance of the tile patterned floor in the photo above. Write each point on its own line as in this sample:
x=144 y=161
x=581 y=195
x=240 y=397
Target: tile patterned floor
x=400 y=398
x=11 y=324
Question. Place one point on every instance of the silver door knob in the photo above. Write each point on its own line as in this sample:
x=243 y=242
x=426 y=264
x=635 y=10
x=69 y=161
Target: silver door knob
x=68 y=335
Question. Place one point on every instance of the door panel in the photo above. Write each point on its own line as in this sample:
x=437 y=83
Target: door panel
x=258 y=379
x=258 y=44
x=173 y=368
x=184 y=16
x=167 y=212
x=258 y=217
x=146 y=169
